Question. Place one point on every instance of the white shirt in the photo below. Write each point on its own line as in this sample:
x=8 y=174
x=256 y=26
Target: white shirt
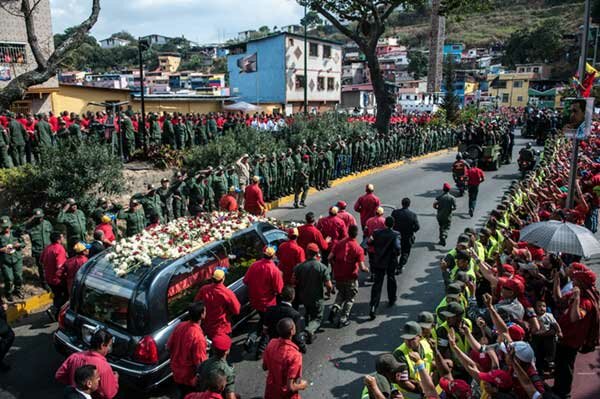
x=85 y=395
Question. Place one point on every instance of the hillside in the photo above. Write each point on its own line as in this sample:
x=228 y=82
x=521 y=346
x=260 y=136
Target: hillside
x=493 y=26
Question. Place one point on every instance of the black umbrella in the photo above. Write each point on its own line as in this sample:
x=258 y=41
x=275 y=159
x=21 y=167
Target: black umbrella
x=555 y=236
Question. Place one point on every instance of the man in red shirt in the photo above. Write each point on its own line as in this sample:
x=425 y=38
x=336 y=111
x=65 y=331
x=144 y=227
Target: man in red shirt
x=228 y=202
x=53 y=259
x=221 y=304
x=308 y=233
x=253 y=198
x=346 y=217
x=283 y=360
x=73 y=264
x=215 y=385
x=577 y=322
x=290 y=254
x=106 y=226
x=475 y=177
x=366 y=205
x=187 y=348
x=100 y=345
x=333 y=228
x=265 y=282
x=346 y=258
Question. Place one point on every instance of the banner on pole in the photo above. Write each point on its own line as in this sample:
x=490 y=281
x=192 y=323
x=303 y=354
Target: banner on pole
x=578 y=117
x=248 y=64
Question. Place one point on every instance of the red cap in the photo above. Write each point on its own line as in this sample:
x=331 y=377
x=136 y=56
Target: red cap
x=459 y=389
x=313 y=247
x=292 y=232
x=516 y=332
x=498 y=378
x=508 y=268
x=513 y=285
x=447 y=187
x=576 y=266
x=221 y=342
x=305 y=156
x=584 y=277
x=342 y=204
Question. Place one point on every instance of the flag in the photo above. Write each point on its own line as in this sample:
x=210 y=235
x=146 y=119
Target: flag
x=248 y=63
x=588 y=81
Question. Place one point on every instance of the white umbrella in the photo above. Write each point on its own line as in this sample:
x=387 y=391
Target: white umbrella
x=555 y=236
x=241 y=106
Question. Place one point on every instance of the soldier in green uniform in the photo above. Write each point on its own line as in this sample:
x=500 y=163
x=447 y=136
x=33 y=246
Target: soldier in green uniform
x=274 y=175
x=18 y=139
x=43 y=137
x=195 y=192
x=168 y=136
x=75 y=223
x=219 y=184
x=331 y=162
x=311 y=277
x=179 y=196
x=165 y=193
x=135 y=219
x=201 y=132
x=301 y=182
x=217 y=363
x=209 y=194
x=211 y=125
x=265 y=174
x=75 y=131
x=233 y=179
x=5 y=159
x=62 y=135
x=180 y=131
x=151 y=204
x=155 y=134
x=445 y=205
x=39 y=230
x=128 y=133
x=11 y=259
x=291 y=167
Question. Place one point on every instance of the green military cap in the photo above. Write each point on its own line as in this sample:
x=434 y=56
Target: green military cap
x=38 y=213
x=134 y=201
x=453 y=309
x=454 y=290
x=102 y=200
x=5 y=222
x=71 y=201
x=411 y=330
x=151 y=187
x=425 y=319
x=164 y=180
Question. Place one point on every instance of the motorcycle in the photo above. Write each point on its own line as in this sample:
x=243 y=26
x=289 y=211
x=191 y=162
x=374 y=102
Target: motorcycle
x=461 y=182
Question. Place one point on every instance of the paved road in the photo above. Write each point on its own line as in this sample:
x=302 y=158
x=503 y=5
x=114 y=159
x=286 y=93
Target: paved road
x=338 y=359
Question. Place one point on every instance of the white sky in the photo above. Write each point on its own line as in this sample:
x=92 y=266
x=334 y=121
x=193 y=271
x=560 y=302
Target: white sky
x=204 y=21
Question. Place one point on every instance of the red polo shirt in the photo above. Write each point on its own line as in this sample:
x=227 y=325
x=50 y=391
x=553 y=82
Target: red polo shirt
x=265 y=282
x=366 y=205
x=347 y=257
x=373 y=224
x=107 y=229
x=109 y=382
x=221 y=303
x=574 y=333
x=228 y=203
x=187 y=347
x=347 y=218
x=475 y=176
x=309 y=233
x=253 y=199
x=289 y=254
x=53 y=259
x=334 y=227
x=283 y=361
x=72 y=265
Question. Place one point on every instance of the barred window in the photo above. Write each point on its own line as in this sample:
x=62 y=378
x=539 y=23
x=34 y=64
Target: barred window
x=12 y=53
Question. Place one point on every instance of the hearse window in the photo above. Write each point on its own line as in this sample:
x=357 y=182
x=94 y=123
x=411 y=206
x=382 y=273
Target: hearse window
x=275 y=237
x=243 y=250
x=187 y=280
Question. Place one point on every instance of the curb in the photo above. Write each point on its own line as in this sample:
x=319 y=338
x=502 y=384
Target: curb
x=23 y=308
x=20 y=309
x=290 y=198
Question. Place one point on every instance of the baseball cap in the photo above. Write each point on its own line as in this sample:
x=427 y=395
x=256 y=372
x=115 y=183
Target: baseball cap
x=218 y=275
x=333 y=210
x=453 y=309
x=269 y=251
x=454 y=290
x=425 y=319
x=105 y=219
x=221 y=342
x=498 y=378
x=342 y=204
x=459 y=389
x=312 y=247
x=584 y=277
x=516 y=332
x=5 y=222
x=292 y=232
x=38 y=213
x=379 y=211
x=79 y=247
x=410 y=330
x=523 y=350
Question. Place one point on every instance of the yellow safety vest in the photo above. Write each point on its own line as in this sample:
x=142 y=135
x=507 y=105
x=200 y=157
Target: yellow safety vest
x=470 y=272
x=443 y=303
x=461 y=342
x=480 y=250
x=491 y=252
x=426 y=355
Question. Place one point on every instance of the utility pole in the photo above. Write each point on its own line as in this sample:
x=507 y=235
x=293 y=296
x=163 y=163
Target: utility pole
x=305 y=61
x=143 y=45
x=436 y=49
x=582 y=62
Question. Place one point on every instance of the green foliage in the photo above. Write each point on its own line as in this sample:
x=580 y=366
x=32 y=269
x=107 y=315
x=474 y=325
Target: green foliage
x=11 y=176
x=163 y=157
x=312 y=20
x=524 y=46
x=66 y=171
x=450 y=101
x=417 y=64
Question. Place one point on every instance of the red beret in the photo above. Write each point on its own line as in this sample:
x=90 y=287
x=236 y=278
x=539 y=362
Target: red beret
x=585 y=277
x=221 y=342
x=342 y=204
x=576 y=266
x=508 y=268
x=446 y=186
x=305 y=156
x=313 y=247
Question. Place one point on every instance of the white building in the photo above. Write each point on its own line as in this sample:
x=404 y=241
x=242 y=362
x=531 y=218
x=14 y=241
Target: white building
x=113 y=42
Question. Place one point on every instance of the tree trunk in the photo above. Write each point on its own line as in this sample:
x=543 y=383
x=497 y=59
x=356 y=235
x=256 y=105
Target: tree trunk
x=385 y=101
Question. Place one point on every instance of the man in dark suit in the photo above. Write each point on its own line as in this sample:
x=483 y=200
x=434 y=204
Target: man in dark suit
x=282 y=310
x=86 y=379
x=387 y=248
x=97 y=245
x=407 y=224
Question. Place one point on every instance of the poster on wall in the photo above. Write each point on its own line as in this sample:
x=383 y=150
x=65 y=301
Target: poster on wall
x=4 y=73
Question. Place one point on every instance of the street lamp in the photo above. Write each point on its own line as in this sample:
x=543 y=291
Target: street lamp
x=143 y=45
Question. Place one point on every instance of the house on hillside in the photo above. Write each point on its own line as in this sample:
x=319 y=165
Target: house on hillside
x=454 y=50
x=156 y=39
x=112 y=42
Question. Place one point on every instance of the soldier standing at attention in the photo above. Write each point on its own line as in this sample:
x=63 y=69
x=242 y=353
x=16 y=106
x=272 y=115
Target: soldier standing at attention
x=301 y=182
x=75 y=223
x=11 y=259
x=39 y=230
x=134 y=217
x=445 y=205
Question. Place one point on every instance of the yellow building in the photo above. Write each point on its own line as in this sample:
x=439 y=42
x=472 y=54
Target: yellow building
x=169 y=62
x=183 y=104
x=510 y=89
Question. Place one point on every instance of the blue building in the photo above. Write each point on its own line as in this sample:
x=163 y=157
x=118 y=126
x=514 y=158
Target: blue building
x=269 y=71
x=454 y=50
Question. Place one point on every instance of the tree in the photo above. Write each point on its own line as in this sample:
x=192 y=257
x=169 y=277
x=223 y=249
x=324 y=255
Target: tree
x=46 y=66
x=364 y=21
x=450 y=101
x=312 y=20
x=124 y=35
x=417 y=64
x=525 y=45
x=264 y=29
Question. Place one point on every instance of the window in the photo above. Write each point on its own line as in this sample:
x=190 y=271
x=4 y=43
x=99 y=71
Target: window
x=12 y=53
x=187 y=280
x=520 y=99
x=242 y=250
x=313 y=49
x=536 y=69
x=326 y=51
x=330 y=84
x=517 y=83
x=320 y=83
x=291 y=41
x=505 y=97
x=299 y=82
x=500 y=85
